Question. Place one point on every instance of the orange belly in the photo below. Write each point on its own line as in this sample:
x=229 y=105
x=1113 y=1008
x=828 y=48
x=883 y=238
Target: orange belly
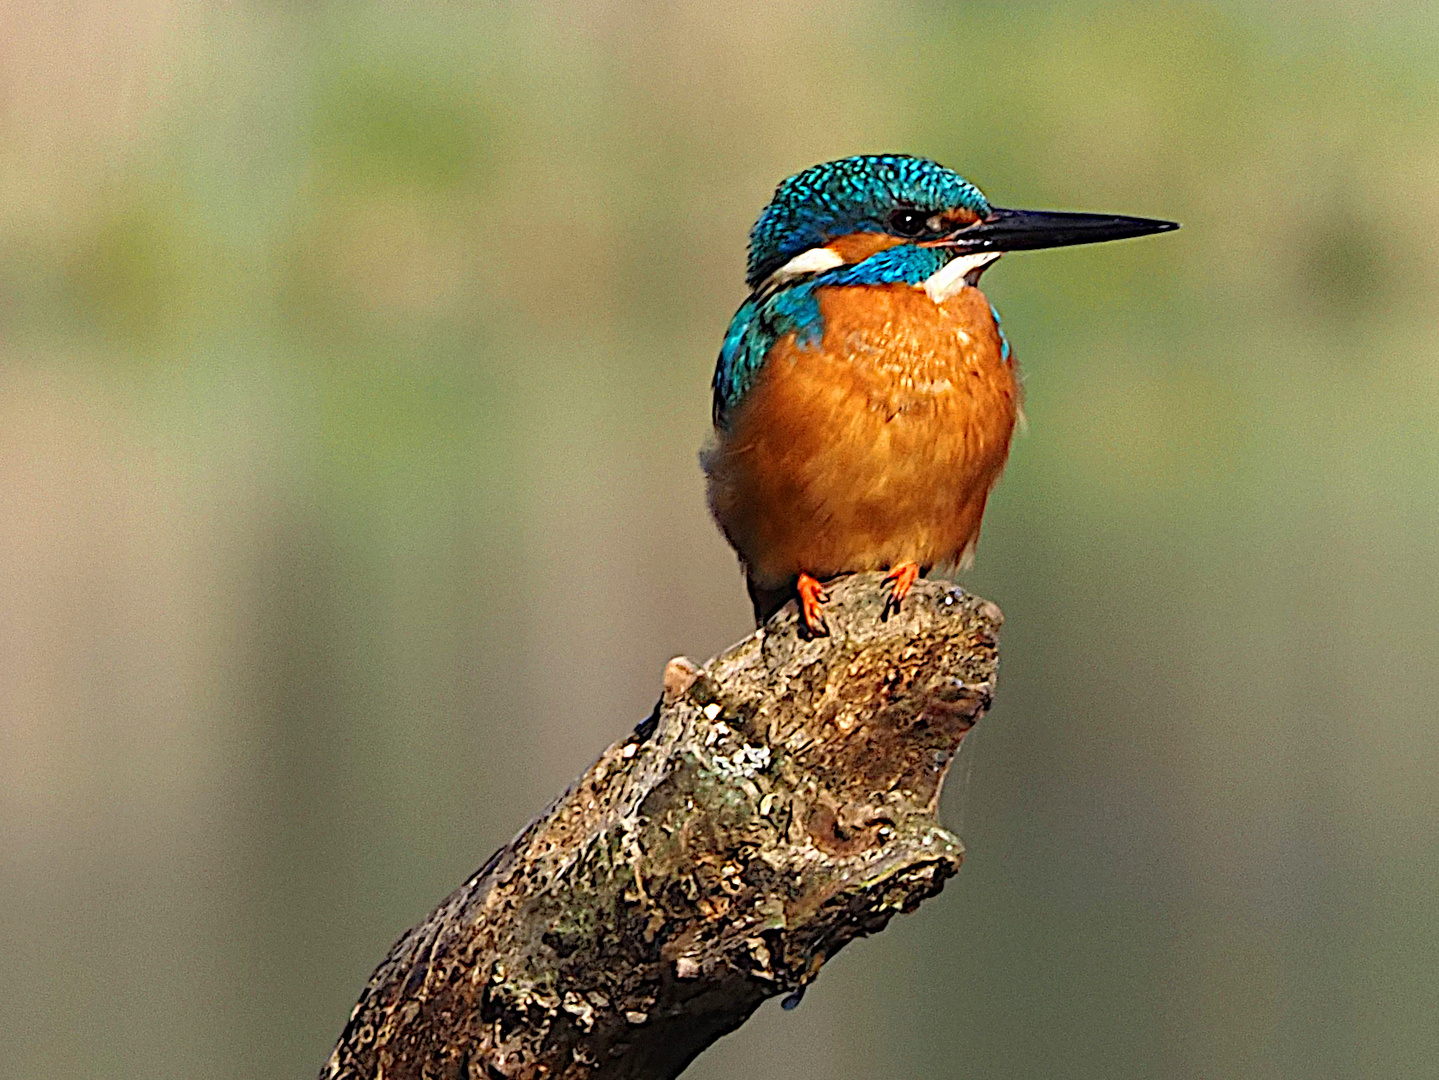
x=878 y=447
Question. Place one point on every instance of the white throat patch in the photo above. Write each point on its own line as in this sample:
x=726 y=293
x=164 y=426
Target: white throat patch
x=950 y=278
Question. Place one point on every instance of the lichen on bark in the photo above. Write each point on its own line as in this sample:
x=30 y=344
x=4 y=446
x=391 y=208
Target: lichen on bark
x=780 y=802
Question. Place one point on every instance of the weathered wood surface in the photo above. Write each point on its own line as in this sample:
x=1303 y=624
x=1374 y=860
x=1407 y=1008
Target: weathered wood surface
x=779 y=803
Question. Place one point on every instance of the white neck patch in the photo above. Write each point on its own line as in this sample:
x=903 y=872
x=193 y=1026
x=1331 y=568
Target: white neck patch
x=950 y=278
x=813 y=261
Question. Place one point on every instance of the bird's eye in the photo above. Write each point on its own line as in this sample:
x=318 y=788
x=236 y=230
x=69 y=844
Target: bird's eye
x=908 y=222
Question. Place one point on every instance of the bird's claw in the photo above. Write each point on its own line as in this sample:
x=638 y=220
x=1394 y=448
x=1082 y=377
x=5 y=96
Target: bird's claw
x=811 y=600
x=900 y=580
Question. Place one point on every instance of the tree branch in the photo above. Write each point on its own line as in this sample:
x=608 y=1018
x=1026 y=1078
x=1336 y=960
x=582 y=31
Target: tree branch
x=777 y=804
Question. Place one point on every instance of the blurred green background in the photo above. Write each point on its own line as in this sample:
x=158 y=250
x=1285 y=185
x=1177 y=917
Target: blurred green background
x=353 y=361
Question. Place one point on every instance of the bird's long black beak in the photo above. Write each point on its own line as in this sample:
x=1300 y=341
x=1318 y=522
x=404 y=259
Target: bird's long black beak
x=1028 y=230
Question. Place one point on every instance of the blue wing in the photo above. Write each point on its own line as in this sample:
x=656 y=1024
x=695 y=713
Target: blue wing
x=756 y=326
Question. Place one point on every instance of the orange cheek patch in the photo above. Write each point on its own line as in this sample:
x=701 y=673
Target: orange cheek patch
x=856 y=247
x=958 y=218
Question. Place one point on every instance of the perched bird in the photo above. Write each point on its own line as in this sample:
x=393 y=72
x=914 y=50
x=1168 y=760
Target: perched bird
x=865 y=394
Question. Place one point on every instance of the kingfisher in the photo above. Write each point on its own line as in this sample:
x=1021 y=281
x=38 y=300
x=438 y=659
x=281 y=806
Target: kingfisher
x=865 y=394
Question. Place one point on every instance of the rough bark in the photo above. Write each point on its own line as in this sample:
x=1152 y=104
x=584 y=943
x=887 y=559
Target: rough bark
x=778 y=803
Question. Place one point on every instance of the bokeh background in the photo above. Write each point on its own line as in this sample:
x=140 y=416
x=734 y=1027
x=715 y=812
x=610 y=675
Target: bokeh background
x=353 y=361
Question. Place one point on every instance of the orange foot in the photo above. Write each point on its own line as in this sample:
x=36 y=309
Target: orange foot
x=901 y=579
x=811 y=597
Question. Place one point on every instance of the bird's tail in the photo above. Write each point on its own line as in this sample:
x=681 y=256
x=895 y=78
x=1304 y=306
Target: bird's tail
x=766 y=600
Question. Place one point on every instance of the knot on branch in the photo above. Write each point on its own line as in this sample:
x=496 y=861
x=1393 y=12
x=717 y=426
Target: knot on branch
x=780 y=802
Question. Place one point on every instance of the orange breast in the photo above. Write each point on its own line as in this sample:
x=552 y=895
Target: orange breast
x=877 y=447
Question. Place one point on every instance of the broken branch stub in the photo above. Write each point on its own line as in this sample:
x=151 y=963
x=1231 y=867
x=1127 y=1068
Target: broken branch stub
x=779 y=803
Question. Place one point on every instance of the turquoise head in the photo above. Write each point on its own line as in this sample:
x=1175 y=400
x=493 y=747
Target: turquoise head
x=904 y=196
